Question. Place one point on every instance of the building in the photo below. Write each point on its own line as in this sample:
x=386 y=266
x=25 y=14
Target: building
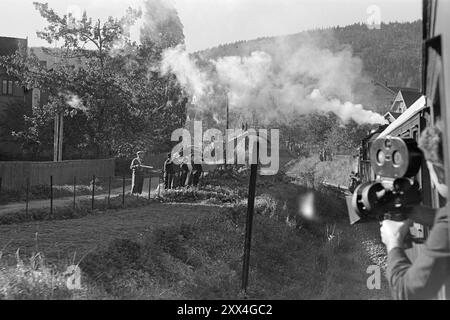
x=10 y=90
x=404 y=99
x=15 y=102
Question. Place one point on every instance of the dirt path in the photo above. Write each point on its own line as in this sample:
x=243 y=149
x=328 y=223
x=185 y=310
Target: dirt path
x=62 y=239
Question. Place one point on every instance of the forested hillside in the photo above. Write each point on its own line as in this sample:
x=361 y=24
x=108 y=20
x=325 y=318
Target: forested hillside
x=390 y=54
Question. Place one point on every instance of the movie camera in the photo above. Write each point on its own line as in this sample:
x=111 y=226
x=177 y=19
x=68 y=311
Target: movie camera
x=395 y=162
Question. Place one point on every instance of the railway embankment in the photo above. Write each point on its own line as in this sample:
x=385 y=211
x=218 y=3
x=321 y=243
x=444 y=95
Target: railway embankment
x=191 y=247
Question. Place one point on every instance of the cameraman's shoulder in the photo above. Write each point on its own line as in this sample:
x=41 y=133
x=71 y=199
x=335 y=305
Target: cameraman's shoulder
x=438 y=240
x=443 y=214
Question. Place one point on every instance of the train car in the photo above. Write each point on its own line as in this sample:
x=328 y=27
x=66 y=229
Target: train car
x=364 y=167
x=436 y=79
x=432 y=106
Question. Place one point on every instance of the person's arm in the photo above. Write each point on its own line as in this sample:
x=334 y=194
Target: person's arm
x=423 y=215
x=423 y=278
x=134 y=164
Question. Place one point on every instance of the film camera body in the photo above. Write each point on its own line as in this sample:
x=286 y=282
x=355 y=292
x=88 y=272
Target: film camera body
x=395 y=162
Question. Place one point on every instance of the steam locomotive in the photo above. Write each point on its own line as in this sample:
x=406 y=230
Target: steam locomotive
x=434 y=104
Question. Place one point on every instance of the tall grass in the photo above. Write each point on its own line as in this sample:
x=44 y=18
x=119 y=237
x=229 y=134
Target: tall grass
x=312 y=172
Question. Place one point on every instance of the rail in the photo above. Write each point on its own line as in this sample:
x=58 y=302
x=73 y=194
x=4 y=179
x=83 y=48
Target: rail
x=339 y=191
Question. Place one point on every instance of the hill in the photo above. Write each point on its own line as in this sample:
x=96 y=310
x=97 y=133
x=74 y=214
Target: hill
x=390 y=55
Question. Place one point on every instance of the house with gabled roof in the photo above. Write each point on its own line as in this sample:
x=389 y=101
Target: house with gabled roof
x=404 y=99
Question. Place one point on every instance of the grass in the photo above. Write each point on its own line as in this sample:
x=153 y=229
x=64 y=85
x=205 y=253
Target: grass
x=177 y=250
x=34 y=280
x=313 y=172
x=82 y=208
x=40 y=192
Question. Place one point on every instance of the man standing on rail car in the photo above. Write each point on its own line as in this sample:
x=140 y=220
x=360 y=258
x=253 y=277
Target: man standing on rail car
x=431 y=270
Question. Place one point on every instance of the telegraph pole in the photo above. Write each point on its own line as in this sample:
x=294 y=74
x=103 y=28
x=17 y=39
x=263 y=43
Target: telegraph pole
x=228 y=112
x=58 y=131
x=227 y=105
x=58 y=137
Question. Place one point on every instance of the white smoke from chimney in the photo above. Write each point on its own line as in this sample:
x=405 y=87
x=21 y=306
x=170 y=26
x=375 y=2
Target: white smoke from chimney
x=75 y=102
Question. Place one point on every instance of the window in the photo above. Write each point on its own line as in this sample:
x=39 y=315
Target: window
x=7 y=87
x=4 y=87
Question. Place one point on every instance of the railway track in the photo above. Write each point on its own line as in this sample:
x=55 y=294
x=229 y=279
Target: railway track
x=337 y=190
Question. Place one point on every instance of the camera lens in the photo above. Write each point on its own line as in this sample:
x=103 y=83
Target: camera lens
x=381 y=157
x=397 y=158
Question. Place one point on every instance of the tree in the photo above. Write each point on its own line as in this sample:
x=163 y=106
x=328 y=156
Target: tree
x=162 y=27
x=103 y=85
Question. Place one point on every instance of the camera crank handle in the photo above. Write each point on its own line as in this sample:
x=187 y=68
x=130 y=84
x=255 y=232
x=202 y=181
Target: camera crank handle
x=395 y=216
x=408 y=241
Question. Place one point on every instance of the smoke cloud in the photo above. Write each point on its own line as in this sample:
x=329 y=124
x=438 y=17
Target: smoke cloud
x=195 y=81
x=275 y=84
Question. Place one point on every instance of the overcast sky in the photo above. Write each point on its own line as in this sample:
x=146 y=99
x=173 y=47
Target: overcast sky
x=208 y=23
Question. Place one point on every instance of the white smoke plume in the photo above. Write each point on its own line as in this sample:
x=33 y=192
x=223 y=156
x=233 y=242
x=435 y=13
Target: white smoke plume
x=276 y=84
x=346 y=110
x=195 y=81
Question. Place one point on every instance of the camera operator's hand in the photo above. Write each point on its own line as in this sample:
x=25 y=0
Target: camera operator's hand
x=393 y=233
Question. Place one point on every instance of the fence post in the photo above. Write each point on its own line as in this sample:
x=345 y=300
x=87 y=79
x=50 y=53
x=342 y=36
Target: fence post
x=159 y=186
x=51 y=196
x=109 y=192
x=149 y=186
x=93 y=191
x=74 y=191
x=27 y=195
x=123 y=191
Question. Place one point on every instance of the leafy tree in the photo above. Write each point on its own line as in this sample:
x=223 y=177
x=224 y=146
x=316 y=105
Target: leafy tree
x=103 y=85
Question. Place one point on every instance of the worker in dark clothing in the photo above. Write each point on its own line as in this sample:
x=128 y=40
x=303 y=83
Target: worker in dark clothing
x=169 y=172
x=197 y=170
x=424 y=278
x=184 y=174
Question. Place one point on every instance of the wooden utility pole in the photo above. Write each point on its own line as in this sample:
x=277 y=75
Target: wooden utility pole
x=58 y=137
x=227 y=105
x=228 y=113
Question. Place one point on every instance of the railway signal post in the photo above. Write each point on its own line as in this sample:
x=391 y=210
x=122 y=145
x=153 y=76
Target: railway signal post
x=249 y=220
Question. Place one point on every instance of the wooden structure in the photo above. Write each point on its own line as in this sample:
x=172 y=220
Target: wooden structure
x=15 y=173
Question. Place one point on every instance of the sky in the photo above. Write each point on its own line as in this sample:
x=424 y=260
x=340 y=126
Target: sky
x=208 y=23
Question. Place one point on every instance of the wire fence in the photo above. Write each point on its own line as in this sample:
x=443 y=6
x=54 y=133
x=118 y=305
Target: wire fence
x=103 y=191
